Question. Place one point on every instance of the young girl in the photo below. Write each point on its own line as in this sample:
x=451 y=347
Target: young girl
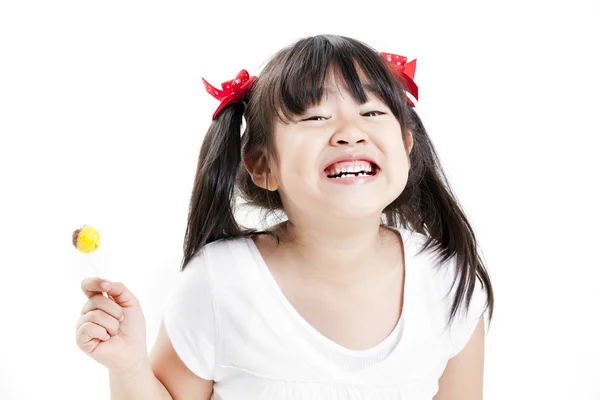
x=371 y=287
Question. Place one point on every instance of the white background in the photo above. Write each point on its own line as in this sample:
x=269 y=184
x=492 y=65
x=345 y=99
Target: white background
x=102 y=112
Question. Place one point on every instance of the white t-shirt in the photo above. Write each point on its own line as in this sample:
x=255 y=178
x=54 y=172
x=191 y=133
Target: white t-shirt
x=229 y=322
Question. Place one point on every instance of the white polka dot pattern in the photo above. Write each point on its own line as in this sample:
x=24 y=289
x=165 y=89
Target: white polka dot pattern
x=233 y=90
x=405 y=72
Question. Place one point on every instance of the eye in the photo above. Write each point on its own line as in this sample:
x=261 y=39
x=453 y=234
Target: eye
x=374 y=112
x=315 y=118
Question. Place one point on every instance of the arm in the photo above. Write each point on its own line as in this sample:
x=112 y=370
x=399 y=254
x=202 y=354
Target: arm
x=161 y=377
x=463 y=377
x=139 y=383
x=176 y=377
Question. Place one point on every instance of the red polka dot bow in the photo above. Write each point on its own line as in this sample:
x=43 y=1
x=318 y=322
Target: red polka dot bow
x=232 y=91
x=405 y=72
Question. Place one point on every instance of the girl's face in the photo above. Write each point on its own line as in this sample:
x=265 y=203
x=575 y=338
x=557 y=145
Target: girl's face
x=340 y=158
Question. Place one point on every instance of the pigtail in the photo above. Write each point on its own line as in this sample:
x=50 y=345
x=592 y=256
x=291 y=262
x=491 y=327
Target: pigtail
x=429 y=207
x=211 y=211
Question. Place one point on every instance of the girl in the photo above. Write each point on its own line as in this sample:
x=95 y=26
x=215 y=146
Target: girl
x=371 y=286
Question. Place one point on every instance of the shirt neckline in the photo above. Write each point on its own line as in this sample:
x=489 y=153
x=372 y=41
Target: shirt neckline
x=313 y=332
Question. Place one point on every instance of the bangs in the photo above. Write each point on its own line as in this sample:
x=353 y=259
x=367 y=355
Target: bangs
x=305 y=69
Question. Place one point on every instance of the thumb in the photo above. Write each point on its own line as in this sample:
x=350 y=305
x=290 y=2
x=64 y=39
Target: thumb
x=121 y=295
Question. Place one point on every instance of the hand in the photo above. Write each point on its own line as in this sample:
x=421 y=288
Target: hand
x=119 y=345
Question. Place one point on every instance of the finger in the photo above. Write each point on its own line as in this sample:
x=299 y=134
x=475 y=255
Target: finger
x=93 y=286
x=99 y=302
x=87 y=346
x=122 y=295
x=101 y=318
x=89 y=331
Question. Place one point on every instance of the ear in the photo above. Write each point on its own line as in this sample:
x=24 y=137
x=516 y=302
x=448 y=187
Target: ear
x=409 y=141
x=256 y=165
x=409 y=146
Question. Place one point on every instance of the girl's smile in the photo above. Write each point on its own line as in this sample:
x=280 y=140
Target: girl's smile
x=350 y=169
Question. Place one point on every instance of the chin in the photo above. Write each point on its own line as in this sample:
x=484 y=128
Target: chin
x=353 y=211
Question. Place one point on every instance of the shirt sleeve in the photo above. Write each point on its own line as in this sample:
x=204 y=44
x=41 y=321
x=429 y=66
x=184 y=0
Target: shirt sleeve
x=189 y=318
x=465 y=322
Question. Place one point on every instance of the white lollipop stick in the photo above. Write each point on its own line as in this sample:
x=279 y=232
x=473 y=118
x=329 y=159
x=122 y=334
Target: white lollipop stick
x=91 y=257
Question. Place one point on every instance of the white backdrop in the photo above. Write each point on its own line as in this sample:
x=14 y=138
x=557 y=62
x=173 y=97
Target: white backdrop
x=102 y=112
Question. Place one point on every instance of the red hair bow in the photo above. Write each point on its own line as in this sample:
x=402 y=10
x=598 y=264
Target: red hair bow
x=406 y=72
x=233 y=90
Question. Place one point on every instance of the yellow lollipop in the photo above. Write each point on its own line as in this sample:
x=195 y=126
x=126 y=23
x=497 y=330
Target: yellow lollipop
x=87 y=239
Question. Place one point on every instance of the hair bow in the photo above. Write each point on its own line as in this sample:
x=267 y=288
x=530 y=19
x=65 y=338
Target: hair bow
x=406 y=71
x=233 y=90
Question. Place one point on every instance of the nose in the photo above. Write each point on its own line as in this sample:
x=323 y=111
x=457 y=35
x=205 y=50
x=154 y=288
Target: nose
x=348 y=134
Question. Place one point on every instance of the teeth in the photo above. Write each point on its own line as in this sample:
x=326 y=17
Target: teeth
x=359 y=174
x=359 y=166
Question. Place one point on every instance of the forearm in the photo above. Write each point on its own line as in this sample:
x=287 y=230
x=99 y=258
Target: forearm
x=139 y=383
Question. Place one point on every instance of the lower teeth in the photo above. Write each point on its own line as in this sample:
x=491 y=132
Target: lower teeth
x=345 y=175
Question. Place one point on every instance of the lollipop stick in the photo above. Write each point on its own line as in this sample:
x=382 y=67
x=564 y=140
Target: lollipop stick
x=91 y=258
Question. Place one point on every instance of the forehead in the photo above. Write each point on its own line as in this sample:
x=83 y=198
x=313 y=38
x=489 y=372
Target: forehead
x=333 y=91
x=335 y=84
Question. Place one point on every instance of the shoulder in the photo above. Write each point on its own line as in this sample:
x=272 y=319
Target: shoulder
x=412 y=241
x=207 y=295
x=434 y=284
x=196 y=282
x=420 y=258
x=423 y=258
x=218 y=258
x=222 y=251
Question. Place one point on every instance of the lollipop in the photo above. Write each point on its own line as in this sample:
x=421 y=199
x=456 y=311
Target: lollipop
x=86 y=239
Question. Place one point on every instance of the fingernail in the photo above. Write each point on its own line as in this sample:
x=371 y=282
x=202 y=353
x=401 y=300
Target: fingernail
x=105 y=285
x=122 y=318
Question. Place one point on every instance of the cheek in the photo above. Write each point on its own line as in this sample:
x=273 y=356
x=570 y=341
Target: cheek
x=297 y=159
x=294 y=171
x=397 y=159
x=285 y=170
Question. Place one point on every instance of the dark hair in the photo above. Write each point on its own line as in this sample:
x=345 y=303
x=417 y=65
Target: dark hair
x=292 y=81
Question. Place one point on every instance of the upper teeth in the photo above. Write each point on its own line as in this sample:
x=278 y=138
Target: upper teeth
x=359 y=166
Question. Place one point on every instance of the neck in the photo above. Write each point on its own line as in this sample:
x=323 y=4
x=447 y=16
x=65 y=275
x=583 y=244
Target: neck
x=342 y=252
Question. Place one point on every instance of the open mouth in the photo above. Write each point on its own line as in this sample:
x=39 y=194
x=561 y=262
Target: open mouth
x=351 y=169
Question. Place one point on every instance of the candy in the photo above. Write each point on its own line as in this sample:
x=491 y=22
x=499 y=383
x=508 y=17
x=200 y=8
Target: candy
x=86 y=239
